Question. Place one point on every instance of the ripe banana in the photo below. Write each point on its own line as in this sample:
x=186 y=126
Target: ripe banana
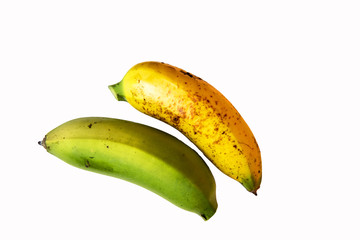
x=139 y=154
x=200 y=112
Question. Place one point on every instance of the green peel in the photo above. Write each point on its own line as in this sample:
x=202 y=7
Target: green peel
x=118 y=91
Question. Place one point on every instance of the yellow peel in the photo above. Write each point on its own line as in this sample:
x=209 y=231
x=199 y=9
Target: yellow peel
x=200 y=112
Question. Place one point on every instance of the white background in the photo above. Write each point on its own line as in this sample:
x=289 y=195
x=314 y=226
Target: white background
x=291 y=68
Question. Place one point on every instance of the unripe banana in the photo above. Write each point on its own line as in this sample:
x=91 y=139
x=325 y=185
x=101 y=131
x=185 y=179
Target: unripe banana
x=200 y=112
x=139 y=154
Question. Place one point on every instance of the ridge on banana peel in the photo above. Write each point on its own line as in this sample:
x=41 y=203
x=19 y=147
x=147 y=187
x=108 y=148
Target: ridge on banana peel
x=139 y=154
x=200 y=112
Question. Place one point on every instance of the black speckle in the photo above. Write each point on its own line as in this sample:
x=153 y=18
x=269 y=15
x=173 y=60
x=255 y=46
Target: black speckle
x=90 y=125
x=235 y=146
x=87 y=163
x=186 y=73
x=107 y=146
x=176 y=120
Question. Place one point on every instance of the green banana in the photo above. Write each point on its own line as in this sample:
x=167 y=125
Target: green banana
x=139 y=154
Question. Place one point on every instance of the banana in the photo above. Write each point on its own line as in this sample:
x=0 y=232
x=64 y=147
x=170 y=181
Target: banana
x=139 y=154
x=200 y=112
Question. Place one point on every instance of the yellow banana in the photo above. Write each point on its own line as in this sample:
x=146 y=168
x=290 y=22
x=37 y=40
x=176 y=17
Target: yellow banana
x=139 y=154
x=200 y=112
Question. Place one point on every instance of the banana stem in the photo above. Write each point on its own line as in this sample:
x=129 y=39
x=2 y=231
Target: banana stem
x=118 y=91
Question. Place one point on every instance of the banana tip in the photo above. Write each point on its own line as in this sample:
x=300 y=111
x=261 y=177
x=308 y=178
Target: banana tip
x=42 y=143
